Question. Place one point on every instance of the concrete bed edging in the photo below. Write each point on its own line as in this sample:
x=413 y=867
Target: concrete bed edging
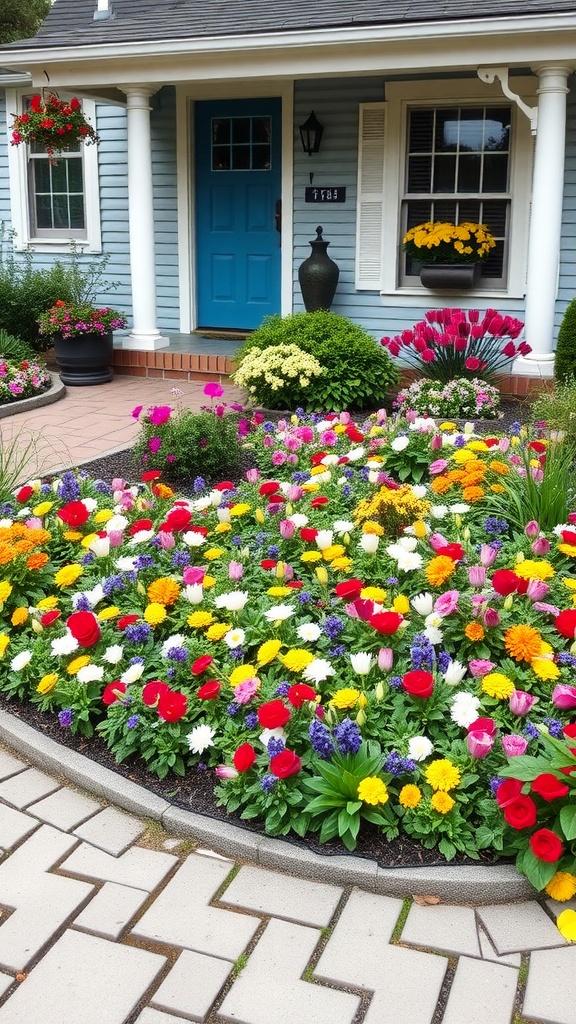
x=55 y=392
x=478 y=884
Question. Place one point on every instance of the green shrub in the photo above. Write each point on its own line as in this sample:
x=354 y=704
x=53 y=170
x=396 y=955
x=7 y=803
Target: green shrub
x=186 y=444
x=14 y=348
x=358 y=373
x=565 y=358
x=557 y=409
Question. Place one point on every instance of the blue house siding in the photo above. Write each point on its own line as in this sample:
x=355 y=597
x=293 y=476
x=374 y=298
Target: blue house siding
x=567 y=283
x=4 y=182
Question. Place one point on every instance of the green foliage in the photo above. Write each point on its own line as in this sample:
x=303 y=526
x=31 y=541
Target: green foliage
x=20 y=457
x=12 y=347
x=548 y=496
x=191 y=444
x=358 y=373
x=21 y=19
x=565 y=359
x=557 y=409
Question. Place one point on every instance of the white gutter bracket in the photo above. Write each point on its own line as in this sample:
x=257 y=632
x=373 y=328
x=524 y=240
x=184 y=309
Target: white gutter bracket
x=489 y=75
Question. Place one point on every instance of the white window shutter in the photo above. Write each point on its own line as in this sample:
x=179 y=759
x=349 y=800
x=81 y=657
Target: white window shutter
x=370 y=210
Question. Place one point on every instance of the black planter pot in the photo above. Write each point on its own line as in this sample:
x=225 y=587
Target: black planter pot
x=318 y=276
x=450 y=275
x=85 y=360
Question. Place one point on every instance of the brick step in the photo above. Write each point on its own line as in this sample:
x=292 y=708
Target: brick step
x=172 y=365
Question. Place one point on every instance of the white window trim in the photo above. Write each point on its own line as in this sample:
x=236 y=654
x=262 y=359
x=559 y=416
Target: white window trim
x=19 y=199
x=402 y=95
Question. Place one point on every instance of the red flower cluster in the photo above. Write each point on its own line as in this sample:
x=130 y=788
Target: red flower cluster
x=52 y=123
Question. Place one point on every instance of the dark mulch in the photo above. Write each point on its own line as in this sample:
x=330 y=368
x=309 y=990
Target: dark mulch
x=195 y=791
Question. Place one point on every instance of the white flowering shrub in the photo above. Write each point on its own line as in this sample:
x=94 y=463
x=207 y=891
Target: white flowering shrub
x=459 y=397
x=278 y=376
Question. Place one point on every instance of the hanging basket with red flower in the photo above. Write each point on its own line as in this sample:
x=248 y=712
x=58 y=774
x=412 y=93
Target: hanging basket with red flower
x=53 y=123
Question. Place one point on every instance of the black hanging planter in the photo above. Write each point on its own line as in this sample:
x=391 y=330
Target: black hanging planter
x=318 y=276
x=84 y=360
x=462 y=276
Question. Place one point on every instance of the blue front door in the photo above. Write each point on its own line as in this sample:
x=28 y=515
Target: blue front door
x=238 y=188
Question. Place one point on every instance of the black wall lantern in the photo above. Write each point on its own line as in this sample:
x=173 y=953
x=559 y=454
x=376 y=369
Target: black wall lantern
x=311 y=134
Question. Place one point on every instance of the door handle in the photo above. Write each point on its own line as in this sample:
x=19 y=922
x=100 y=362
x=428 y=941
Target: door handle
x=278 y=215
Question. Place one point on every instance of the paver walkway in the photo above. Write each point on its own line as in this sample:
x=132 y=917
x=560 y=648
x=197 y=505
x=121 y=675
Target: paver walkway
x=106 y=919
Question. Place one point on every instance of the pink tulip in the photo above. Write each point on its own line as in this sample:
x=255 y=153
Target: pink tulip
x=436 y=442
x=294 y=492
x=437 y=541
x=224 y=771
x=487 y=555
x=438 y=466
x=193 y=574
x=166 y=540
x=252 y=476
x=116 y=538
x=564 y=696
x=491 y=618
x=287 y=529
x=537 y=589
x=514 y=745
x=385 y=659
x=541 y=546
x=521 y=702
x=477 y=575
x=479 y=743
x=235 y=570
x=532 y=529
x=480 y=667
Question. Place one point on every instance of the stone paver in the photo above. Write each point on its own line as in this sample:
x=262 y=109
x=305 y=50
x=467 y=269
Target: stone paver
x=371 y=920
x=192 y=985
x=150 y=1016
x=181 y=916
x=64 y=809
x=451 y=929
x=5 y=981
x=83 y=980
x=139 y=868
x=9 y=764
x=14 y=826
x=550 y=994
x=27 y=787
x=111 y=830
x=110 y=911
x=489 y=953
x=270 y=986
x=481 y=993
x=294 y=899
x=519 y=927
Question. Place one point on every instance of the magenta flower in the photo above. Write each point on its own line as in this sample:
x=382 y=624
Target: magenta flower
x=514 y=745
x=154 y=444
x=480 y=667
x=479 y=743
x=564 y=696
x=159 y=414
x=136 y=412
x=521 y=702
x=213 y=389
x=447 y=602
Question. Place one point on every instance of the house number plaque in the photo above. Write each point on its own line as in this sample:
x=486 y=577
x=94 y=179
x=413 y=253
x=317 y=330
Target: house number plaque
x=330 y=194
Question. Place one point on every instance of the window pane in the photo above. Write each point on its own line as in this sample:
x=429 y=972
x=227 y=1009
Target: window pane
x=420 y=174
x=41 y=172
x=471 y=132
x=221 y=130
x=261 y=158
x=445 y=174
x=261 y=129
x=75 y=182
x=241 y=129
x=77 y=211
x=469 y=209
x=446 y=211
x=497 y=129
x=240 y=158
x=43 y=209
x=421 y=132
x=221 y=158
x=495 y=178
x=494 y=214
x=493 y=265
x=60 y=207
x=418 y=213
x=446 y=137
x=469 y=167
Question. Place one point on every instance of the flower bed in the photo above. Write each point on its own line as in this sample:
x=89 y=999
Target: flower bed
x=22 y=380
x=350 y=634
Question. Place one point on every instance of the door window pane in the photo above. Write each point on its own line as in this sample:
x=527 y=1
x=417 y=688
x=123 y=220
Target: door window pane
x=241 y=143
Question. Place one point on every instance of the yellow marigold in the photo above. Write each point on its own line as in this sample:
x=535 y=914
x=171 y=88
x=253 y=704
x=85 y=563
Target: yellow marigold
x=497 y=488
x=155 y=613
x=562 y=886
x=341 y=564
x=19 y=616
x=372 y=527
x=4 y=641
x=347 y=697
x=442 y=802
x=240 y=509
x=268 y=651
x=208 y=581
x=103 y=515
x=530 y=569
x=477 y=446
x=455 y=476
x=497 y=685
x=297 y=659
x=474 y=631
x=241 y=673
x=5 y=590
x=47 y=683
x=37 y=561
x=77 y=663
x=163 y=591
x=499 y=467
x=222 y=528
x=311 y=556
x=279 y=591
x=373 y=594
x=410 y=796
x=442 y=774
x=217 y=631
x=545 y=668
x=68 y=574
x=309 y=487
x=111 y=612
x=461 y=456
x=317 y=470
x=439 y=570
x=440 y=484
x=213 y=553
x=401 y=604
x=522 y=642
x=472 y=494
x=569 y=582
x=72 y=535
x=42 y=508
x=420 y=528
x=197 y=620
x=372 y=791
x=447 y=426
x=46 y=603
x=333 y=551
x=567 y=549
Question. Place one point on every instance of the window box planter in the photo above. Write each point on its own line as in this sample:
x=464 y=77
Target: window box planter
x=460 y=276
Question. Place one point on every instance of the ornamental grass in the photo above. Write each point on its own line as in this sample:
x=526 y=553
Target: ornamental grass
x=341 y=650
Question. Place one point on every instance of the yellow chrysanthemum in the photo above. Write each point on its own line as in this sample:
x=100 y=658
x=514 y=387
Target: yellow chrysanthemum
x=442 y=774
x=311 y=556
x=373 y=594
x=562 y=886
x=342 y=564
x=208 y=581
x=278 y=591
x=530 y=569
x=569 y=582
x=372 y=527
x=523 y=643
x=333 y=551
x=240 y=673
x=566 y=925
x=217 y=631
x=317 y=470
x=447 y=426
x=163 y=591
x=497 y=685
x=46 y=603
x=497 y=488
x=5 y=590
x=222 y=528
x=68 y=574
x=410 y=796
x=477 y=446
x=268 y=651
x=347 y=697
x=80 y=662
x=47 y=683
x=103 y=515
x=297 y=659
x=373 y=791
x=4 y=641
x=240 y=509
x=442 y=802
x=42 y=508
x=19 y=616
x=198 y=620
x=439 y=569
x=213 y=553
x=154 y=613
x=567 y=549
x=310 y=487
x=461 y=456
x=401 y=604
x=72 y=535
x=545 y=668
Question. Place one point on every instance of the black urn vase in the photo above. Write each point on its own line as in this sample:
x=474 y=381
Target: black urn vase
x=318 y=276
x=84 y=360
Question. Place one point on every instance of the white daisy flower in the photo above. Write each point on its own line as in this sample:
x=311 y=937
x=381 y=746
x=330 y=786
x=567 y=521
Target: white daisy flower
x=419 y=748
x=318 y=671
x=90 y=673
x=193 y=539
x=200 y=738
x=126 y=564
x=309 y=632
x=63 y=645
x=234 y=601
x=113 y=654
x=279 y=613
x=464 y=709
x=234 y=638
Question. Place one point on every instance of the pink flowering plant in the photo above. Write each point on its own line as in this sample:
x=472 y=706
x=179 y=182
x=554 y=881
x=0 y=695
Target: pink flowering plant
x=22 y=380
x=460 y=398
x=72 y=320
x=451 y=343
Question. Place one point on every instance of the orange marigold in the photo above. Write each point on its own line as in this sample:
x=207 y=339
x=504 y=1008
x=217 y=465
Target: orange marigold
x=497 y=488
x=455 y=475
x=37 y=561
x=474 y=631
x=499 y=467
x=472 y=494
x=163 y=591
x=523 y=642
x=440 y=485
x=439 y=569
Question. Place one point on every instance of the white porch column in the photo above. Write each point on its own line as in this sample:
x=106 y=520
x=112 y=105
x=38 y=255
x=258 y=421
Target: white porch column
x=545 y=221
x=145 y=333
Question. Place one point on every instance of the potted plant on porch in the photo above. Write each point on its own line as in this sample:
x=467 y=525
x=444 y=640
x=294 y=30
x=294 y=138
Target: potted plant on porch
x=83 y=341
x=450 y=254
x=52 y=123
